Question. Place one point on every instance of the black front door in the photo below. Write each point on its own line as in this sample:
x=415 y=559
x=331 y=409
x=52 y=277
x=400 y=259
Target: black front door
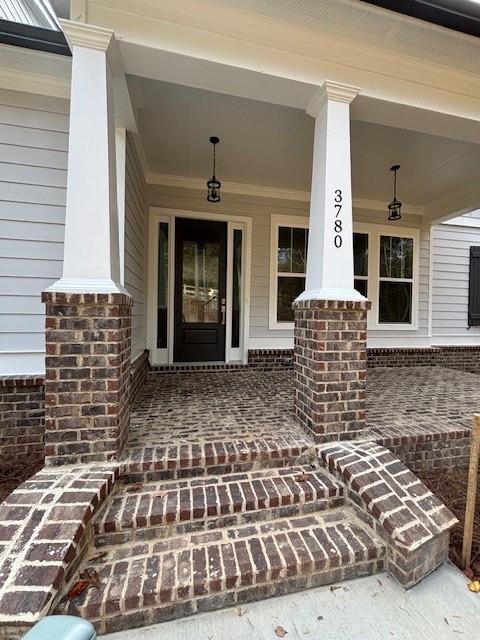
x=200 y=290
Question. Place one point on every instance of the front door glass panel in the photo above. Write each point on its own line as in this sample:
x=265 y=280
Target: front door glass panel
x=200 y=283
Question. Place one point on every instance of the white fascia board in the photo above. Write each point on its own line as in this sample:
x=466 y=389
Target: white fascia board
x=464 y=221
x=227 y=35
x=34 y=72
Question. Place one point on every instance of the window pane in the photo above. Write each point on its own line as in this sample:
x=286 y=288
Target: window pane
x=299 y=252
x=395 y=302
x=288 y=290
x=396 y=257
x=360 y=254
x=237 y=283
x=285 y=249
x=362 y=287
x=162 y=285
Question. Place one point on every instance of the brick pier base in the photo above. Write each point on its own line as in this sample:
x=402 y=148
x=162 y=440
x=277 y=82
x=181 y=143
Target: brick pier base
x=330 y=367
x=88 y=339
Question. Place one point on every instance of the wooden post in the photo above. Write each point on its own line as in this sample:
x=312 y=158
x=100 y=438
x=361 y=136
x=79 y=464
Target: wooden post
x=471 y=494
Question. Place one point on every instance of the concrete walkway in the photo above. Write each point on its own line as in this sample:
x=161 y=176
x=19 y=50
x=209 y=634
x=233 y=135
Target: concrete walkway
x=374 y=608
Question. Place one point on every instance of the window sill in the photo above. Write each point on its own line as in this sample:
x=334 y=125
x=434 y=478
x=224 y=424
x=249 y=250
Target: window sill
x=392 y=327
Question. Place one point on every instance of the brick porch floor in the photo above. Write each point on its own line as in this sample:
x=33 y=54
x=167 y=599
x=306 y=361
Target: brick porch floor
x=223 y=411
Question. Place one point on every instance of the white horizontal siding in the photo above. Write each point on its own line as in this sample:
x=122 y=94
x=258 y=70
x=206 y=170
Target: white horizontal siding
x=136 y=225
x=451 y=266
x=33 y=175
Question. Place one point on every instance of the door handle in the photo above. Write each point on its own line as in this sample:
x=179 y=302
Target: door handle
x=223 y=310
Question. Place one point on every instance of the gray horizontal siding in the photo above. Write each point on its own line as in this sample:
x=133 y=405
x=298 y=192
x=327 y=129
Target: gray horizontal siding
x=260 y=211
x=33 y=175
x=136 y=225
x=451 y=261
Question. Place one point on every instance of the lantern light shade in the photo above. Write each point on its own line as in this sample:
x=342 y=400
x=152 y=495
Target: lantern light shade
x=395 y=206
x=213 y=185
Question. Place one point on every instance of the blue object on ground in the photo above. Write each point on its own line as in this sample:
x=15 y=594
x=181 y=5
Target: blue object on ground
x=61 y=628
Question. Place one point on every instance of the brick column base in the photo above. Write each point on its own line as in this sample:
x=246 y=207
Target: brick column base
x=330 y=367
x=88 y=339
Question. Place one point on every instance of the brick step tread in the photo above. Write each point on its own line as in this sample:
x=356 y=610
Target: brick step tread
x=148 y=582
x=198 y=455
x=163 y=503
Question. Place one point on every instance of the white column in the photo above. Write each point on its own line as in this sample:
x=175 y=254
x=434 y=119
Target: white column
x=330 y=242
x=91 y=251
x=121 y=162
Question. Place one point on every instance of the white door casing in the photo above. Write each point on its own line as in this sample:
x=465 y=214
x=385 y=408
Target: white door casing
x=168 y=216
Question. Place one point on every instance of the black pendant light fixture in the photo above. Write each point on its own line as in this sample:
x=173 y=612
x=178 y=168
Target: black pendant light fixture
x=213 y=185
x=395 y=206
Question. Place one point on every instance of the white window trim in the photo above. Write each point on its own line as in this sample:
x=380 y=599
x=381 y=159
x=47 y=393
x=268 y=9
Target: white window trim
x=374 y=231
x=300 y=222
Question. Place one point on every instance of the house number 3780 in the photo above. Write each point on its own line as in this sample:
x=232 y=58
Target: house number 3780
x=337 y=239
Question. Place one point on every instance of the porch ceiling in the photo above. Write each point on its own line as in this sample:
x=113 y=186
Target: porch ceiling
x=271 y=145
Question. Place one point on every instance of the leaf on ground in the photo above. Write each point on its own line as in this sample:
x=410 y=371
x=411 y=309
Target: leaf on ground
x=446 y=622
x=92 y=575
x=136 y=486
x=88 y=578
x=238 y=611
x=280 y=632
x=469 y=573
x=79 y=587
x=474 y=586
x=99 y=557
x=320 y=618
x=301 y=477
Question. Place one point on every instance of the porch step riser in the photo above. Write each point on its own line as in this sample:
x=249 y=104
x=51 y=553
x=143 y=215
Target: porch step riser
x=134 y=475
x=231 y=520
x=159 y=580
x=217 y=501
x=162 y=611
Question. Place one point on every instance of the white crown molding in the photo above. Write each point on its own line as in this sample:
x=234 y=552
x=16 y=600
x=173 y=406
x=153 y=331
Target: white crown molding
x=334 y=91
x=241 y=188
x=79 y=34
x=37 y=83
x=257 y=190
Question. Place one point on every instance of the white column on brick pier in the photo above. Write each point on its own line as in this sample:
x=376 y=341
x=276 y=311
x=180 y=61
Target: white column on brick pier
x=91 y=250
x=330 y=243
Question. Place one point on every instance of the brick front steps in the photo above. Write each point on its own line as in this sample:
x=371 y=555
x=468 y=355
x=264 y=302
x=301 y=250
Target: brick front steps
x=159 y=580
x=160 y=509
x=165 y=548
x=214 y=458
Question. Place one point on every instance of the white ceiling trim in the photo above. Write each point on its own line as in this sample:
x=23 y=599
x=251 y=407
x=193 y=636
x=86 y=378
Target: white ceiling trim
x=256 y=190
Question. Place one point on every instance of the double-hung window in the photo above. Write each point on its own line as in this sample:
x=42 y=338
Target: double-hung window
x=385 y=271
x=288 y=268
x=395 y=289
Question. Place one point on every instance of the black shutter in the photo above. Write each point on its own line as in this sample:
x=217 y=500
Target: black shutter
x=474 y=288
